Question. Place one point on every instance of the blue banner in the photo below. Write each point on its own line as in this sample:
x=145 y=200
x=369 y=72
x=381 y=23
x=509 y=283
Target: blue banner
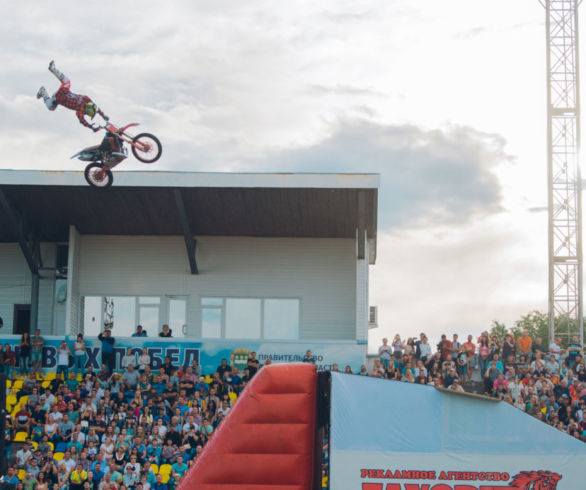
x=209 y=354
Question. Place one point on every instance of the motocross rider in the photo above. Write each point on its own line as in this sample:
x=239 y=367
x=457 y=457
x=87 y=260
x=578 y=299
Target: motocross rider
x=81 y=104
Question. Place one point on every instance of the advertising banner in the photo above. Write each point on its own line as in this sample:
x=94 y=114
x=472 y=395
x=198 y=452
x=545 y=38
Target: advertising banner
x=388 y=435
x=208 y=354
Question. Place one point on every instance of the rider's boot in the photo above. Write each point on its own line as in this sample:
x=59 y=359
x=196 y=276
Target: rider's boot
x=42 y=93
x=60 y=76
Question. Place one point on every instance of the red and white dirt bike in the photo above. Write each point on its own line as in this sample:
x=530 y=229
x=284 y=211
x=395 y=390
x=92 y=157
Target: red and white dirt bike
x=105 y=156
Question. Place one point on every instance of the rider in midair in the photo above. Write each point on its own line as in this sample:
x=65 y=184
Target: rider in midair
x=81 y=104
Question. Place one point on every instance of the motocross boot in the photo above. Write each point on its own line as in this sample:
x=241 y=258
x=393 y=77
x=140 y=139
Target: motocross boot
x=42 y=93
x=60 y=76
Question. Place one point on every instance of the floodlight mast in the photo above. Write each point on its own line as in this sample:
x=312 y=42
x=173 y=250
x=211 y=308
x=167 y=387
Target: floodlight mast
x=563 y=170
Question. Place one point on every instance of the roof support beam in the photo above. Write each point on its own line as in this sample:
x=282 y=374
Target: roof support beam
x=361 y=223
x=190 y=242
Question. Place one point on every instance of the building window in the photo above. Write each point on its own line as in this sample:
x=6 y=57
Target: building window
x=281 y=319
x=250 y=318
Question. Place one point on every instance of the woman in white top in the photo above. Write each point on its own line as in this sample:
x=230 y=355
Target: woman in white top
x=385 y=352
x=79 y=354
x=424 y=349
x=144 y=360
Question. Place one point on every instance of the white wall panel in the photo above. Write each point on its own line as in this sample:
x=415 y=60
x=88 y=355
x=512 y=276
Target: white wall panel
x=15 y=285
x=321 y=272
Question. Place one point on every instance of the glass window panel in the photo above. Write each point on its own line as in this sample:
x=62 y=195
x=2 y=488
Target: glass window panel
x=92 y=315
x=211 y=323
x=149 y=319
x=149 y=300
x=281 y=319
x=242 y=318
x=177 y=317
x=123 y=311
x=212 y=301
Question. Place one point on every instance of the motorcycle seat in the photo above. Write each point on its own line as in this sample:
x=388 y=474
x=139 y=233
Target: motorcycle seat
x=92 y=148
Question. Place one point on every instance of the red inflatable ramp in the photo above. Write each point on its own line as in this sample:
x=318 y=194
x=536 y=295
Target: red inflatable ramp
x=267 y=440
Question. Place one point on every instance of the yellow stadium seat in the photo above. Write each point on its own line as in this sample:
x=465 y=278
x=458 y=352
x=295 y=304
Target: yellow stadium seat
x=51 y=445
x=58 y=456
x=21 y=474
x=50 y=376
x=208 y=379
x=35 y=444
x=17 y=385
x=23 y=399
x=155 y=468
x=8 y=383
x=165 y=469
x=232 y=396
x=20 y=437
x=78 y=377
x=46 y=384
x=164 y=479
x=10 y=402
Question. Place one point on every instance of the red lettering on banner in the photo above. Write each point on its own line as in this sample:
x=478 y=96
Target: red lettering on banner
x=465 y=487
x=443 y=476
x=372 y=486
x=441 y=486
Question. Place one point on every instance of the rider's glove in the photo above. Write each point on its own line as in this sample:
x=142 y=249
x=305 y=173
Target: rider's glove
x=106 y=118
x=95 y=129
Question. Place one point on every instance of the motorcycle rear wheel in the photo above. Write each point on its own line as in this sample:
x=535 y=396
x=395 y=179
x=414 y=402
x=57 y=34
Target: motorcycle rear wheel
x=152 y=145
x=98 y=176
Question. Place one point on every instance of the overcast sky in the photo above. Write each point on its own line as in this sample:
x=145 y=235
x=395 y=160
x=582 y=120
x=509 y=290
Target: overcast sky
x=445 y=99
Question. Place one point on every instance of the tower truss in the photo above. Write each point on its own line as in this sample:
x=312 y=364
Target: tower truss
x=564 y=180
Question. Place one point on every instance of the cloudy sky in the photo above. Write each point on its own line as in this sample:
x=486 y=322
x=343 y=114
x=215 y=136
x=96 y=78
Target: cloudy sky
x=445 y=99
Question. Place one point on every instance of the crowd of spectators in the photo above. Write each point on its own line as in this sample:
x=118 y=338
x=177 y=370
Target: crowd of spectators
x=132 y=428
x=136 y=428
x=547 y=382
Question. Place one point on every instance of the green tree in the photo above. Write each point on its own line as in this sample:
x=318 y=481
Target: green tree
x=499 y=329
x=536 y=324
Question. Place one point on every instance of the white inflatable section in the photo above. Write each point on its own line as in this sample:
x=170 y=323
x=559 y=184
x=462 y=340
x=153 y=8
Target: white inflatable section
x=387 y=435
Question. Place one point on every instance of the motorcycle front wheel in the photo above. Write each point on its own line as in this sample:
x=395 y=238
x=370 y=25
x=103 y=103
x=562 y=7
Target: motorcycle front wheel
x=98 y=176
x=146 y=147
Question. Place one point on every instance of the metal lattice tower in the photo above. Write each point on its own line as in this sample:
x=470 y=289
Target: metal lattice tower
x=564 y=181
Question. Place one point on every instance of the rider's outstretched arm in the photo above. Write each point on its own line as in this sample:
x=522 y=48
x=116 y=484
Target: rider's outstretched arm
x=81 y=116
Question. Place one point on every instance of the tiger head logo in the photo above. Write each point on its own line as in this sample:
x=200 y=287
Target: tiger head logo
x=535 y=480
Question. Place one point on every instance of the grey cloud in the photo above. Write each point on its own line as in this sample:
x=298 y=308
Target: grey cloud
x=341 y=89
x=427 y=177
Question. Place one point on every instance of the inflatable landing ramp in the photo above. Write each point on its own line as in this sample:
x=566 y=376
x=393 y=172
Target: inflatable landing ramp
x=383 y=435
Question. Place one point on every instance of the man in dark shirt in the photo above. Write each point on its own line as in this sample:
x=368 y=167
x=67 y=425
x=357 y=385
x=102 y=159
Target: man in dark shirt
x=223 y=368
x=252 y=364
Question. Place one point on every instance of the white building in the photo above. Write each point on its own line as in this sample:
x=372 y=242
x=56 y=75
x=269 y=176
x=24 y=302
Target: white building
x=263 y=257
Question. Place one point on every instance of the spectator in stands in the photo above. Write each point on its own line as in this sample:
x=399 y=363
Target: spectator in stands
x=140 y=332
x=223 y=368
x=252 y=364
x=166 y=331
x=536 y=347
x=398 y=346
x=24 y=352
x=37 y=343
x=63 y=354
x=555 y=348
x=107 y=341
x=308 y=358
x=79 y=354
x=385 y=351
x=574 y=350
x=130 y=379
x=129 y=359
x=524 y=343
x=144 y=361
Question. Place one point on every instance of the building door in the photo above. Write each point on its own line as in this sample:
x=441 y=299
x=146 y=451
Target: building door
x=22 y=319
